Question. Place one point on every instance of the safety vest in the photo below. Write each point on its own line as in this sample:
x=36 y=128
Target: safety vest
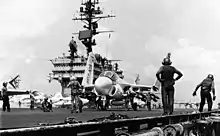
x=74 y=87
x=206 y=84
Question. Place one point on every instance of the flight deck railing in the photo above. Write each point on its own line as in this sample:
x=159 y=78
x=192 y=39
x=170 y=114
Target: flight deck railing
x=180 y=123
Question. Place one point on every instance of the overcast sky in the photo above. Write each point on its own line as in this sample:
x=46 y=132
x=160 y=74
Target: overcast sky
x=34 y=31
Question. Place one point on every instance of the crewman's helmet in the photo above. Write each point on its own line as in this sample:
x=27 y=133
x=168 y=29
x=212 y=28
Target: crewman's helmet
x=72 y=78
x=210 y=76
x=166 y=61
x=5 y=83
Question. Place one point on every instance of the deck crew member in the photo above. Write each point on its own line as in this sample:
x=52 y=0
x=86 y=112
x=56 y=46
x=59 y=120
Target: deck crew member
x=19 y=104
x=45 y=105
x=50 y=106
x=166 y=76
x=32 y=101
x=148 y=101
x=73 y=48
x=128 y=97
x=6 y=104
x=207 y=85
x=75 y=86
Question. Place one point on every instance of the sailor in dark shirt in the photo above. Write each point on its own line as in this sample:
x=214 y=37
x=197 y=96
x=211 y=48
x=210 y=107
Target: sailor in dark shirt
x=166 y=76
x=148 y=100
x=207 y=85
x=4 y=94
x=50 y=106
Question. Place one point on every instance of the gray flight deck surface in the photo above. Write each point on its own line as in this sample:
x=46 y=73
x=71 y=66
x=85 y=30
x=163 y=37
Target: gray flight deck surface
x=21 y=117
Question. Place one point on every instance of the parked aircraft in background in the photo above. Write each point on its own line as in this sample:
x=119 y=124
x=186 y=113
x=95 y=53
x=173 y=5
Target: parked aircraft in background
x=187 y=104
x=59 y=101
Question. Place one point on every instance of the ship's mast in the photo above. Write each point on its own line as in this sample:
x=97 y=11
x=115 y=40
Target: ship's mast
x=89 y=15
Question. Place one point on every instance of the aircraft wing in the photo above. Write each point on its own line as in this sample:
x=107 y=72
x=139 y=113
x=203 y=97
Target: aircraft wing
x=134 y=86
x=141 y=87
x=143 y=97
x=17 y=92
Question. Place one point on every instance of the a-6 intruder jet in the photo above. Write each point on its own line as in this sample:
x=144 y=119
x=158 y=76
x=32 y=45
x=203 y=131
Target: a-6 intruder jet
x=110 y=85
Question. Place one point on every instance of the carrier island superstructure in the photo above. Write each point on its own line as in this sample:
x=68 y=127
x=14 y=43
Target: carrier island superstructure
x=73 y=64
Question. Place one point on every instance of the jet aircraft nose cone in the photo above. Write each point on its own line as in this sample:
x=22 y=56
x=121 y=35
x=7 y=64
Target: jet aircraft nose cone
x=103 y=85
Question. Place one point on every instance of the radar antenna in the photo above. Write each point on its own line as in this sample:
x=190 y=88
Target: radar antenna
x=88 y=14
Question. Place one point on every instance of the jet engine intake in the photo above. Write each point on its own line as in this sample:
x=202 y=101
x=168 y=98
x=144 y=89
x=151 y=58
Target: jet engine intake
x=116 y=92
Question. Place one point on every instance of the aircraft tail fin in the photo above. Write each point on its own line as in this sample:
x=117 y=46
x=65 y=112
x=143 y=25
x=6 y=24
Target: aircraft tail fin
x=15 y=82
x=137 y=79
x=88 y=75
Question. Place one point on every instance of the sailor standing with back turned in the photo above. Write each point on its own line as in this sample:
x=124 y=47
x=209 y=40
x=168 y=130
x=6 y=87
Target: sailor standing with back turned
x=166 y=76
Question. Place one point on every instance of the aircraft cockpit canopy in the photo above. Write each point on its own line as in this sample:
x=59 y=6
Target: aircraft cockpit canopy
x=110 y=74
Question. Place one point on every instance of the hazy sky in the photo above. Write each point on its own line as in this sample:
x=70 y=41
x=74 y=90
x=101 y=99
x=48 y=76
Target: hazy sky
x=34 y=31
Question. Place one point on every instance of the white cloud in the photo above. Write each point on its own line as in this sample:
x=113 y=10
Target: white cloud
x=105 y=41
x=125 y=65
x=22 y=19
x=27 y=18
x=196 y=61
x=150 y=71
x=159 y=46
